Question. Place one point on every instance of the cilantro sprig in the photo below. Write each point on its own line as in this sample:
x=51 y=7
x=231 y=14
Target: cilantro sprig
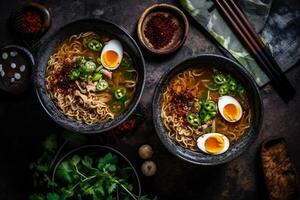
x=80 y=176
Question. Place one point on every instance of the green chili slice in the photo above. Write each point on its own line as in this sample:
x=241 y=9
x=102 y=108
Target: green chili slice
x=224 y=89
x=212 y=86
x=101 y=85
x=95 y=45
x=88 y=67
x=219 y=79
x=210 y=106
x=206 y=118
x=232 y=85
x=193 y=119
x=212 y=114
x=116 y=106
x=120 y=93
x=75 y=74
x=80 y=61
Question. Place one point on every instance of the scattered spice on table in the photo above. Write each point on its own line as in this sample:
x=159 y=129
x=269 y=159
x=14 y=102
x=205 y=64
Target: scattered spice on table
x=160 y=30
x=31 y=21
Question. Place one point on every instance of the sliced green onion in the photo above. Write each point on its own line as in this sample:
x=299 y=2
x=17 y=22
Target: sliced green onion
x=97 y=77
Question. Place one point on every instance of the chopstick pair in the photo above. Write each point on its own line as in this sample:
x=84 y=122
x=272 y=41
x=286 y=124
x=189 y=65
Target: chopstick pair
x=251 y=40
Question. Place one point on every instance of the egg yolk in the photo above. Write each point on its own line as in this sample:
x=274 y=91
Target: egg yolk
x=231 y=112
x=214 y=144
x=110 y=58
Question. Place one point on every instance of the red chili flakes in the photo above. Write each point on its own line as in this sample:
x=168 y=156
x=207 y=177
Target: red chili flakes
x=180 y=103
x=62 y=82
x=31 y=21
x=160 y=30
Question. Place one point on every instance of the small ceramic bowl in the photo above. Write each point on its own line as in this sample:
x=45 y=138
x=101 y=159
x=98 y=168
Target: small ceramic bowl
x=42 y=10
x=178 y=19
x=16 y=64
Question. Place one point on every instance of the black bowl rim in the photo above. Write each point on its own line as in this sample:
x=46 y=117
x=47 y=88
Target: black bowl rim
x=133 y=104
x=107 y=148
x=260 y=114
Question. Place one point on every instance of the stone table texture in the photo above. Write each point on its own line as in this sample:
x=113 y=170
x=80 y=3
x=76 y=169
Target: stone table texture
x=24 y=123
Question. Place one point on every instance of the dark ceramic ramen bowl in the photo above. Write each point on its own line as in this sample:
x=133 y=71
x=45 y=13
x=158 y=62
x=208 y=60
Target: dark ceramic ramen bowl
x=228 y=66
x=48 y=48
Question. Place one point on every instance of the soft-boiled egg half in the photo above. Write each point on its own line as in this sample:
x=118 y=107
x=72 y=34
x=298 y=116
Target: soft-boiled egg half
x=230 y=108
x=112 y=54
x=213 y=143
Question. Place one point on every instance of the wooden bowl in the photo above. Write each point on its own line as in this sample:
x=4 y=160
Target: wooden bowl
x=178 y=18
x=15 y=19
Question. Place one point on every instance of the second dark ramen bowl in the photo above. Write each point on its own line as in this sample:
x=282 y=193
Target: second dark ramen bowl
x=228 y=66
x=48 y=48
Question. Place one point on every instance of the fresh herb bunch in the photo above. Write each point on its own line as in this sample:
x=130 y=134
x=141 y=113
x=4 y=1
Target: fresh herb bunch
x=79 y=177
x=84 y=178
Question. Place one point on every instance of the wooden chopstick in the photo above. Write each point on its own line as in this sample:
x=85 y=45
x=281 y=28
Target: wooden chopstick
x=255 y=36
x=253 y=43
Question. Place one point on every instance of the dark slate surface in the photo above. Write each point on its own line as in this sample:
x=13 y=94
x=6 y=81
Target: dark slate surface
x=24 y=123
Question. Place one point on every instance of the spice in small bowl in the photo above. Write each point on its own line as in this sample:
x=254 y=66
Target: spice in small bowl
x=32 y=19
x=162 y=28
x=16 y=64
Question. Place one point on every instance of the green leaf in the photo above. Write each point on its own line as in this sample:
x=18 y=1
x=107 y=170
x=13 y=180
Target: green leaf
x=75 y=160
x=53 y=196
x=50 y=144
x=65 y=172
x=128 y=186
x=107 y=159
x=67 y=193
x=87 y=161
x=112 y=187
x=112 y=168
x=99 y=189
